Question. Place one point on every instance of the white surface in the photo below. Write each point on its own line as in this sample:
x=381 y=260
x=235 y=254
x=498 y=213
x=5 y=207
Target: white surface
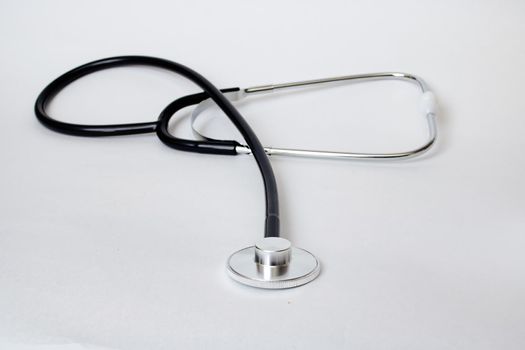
x=121 y=242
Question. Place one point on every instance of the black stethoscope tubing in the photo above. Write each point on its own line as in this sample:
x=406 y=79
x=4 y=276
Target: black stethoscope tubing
x=160 y=126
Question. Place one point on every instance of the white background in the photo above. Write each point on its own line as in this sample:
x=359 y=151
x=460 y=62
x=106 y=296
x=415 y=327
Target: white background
x=121 y=242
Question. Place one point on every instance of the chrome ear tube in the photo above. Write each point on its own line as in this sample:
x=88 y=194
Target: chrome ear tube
x=428 y=109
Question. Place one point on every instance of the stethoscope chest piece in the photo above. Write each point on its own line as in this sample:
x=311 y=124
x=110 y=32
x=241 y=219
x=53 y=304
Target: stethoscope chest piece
x=272 y=263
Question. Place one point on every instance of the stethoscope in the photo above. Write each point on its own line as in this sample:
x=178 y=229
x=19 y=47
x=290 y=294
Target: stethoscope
x=272 y=263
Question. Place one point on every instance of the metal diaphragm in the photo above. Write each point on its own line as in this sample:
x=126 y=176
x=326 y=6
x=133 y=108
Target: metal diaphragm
x=272 y=263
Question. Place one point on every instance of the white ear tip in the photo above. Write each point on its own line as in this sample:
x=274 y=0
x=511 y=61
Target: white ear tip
x=428 y=103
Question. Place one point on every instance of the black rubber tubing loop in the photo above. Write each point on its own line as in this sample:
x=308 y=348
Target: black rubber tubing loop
x=227 y=147
x=219 y=147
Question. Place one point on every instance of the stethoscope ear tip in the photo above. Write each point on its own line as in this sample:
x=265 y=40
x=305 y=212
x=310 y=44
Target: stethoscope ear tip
x=273 y=263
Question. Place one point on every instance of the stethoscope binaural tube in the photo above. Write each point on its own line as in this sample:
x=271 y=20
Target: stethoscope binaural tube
x=428 y=108
x=272 y=202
